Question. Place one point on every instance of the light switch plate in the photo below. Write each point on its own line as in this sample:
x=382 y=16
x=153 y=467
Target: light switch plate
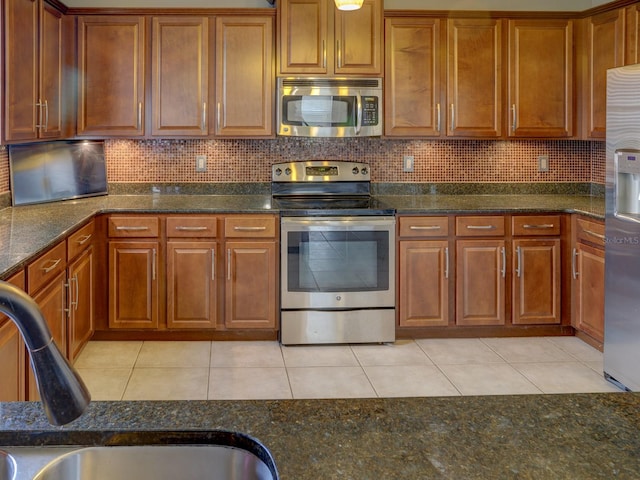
x=408 y=163
x=201 y=163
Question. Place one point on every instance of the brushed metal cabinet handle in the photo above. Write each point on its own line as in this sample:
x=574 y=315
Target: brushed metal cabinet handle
x=190 y=229
x=446 y=262
x=339 y=53
x=503 y=271
x=249 y=229
x=438 y=117
x=46 y=115
x=84 y=239
x=513 y=118
x=213 y=264
x=594 y=234
x=204 y=115
x=574 y=264
x=453 y=115
x=139 y=115
x=518 y=261
x=153 y=265
x=541 y=225
x=424 y=227
x=54 y=264
x=228 y=264
x=131 y=228
x=481 y=227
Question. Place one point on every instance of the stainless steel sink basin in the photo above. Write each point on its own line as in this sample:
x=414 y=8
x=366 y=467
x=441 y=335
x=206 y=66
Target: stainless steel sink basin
x=157 y=462
x=7 y=466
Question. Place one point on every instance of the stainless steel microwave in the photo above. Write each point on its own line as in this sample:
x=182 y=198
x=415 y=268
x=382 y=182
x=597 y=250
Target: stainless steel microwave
x=329 y=107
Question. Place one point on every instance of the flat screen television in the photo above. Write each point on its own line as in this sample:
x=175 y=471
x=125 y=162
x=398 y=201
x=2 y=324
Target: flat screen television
x=62 y=170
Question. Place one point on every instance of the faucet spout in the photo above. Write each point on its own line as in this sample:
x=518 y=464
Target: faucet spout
x=63 y=393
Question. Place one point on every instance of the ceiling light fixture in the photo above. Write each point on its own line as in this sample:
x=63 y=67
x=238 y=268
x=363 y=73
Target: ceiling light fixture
x=348 y=4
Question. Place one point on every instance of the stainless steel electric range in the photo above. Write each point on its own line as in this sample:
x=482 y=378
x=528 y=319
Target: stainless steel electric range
x=338 y=254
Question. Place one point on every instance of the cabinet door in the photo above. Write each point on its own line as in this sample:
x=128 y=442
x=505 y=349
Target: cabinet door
x=541 y=78
x=632 y=34
x=474 y=83
x=12 y=355
x=81 y=287
x=251 y=284
x=358 y=39
x=536 y=281
x=244 y=76
x=412 y=77
x=424 y=283
x=51 y=301
x=191 y=284
x=180 y=73
x=302 y=44
x=480 y=282
x=111 y=75
x=21 y=69
x=51 y=71
x=605 y=49
x=590 y=291
x=133 y=284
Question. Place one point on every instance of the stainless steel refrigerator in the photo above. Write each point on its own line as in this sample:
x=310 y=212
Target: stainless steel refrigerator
x=622 y=229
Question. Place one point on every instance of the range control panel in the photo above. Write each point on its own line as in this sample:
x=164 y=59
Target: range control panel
x=320 y=171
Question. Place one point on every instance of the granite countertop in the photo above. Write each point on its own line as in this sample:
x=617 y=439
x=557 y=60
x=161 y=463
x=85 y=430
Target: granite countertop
x=26 y=231
x=555 y=437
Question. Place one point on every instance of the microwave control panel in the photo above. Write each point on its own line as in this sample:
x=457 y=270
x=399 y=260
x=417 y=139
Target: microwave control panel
x=369 y=111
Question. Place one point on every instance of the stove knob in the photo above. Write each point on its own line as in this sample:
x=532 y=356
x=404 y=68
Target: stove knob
x=364 y=170
x=287 y=171
x=278 y=172
x=355 y=170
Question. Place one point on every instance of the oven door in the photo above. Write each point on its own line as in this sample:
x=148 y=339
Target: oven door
x=338 y=262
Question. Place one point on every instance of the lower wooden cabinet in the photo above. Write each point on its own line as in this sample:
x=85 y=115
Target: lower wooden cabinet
x=12 y=355
x=589 y=278
x=536 y=281
x=192 y=284
x=133 y=284
x=480 y=282
x=423 y=283
x=80 y=306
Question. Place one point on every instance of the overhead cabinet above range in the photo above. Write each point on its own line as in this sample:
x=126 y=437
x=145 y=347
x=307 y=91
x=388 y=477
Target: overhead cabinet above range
x=315 y=38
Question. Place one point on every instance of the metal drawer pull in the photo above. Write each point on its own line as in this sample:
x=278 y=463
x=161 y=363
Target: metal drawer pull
x=249 y=229
x=594 y=234
x=574 y=270
x=153 y=265
x=83 y=240
x=74 y=300
x=53 y=265
x=446 y=262
x=424 y=227
x=481 y=227
x=131 y=229
x=542 y=225
x=503 y=271
x=191 y=229
x=519 y=261
x=228 y=264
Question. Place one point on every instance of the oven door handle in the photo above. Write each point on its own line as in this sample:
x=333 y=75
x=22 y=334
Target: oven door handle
x=360 y=223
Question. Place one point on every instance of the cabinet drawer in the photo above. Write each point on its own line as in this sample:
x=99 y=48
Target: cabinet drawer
x=134 y=226
x=424 y=226
x=250 y=226
x=536 y=225
x=188 y=226
x=480 y=226
x=47 y=267
x=80 y=240
x=590 y=231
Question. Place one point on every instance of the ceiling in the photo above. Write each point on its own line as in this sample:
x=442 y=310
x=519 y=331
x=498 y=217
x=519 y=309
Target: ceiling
x=498 y=5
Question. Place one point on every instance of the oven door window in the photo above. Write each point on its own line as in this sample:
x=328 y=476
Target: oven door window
x=338 y=261
x=319 y=110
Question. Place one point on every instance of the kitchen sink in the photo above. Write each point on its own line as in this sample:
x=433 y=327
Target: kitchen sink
x=216 y=456
x=7 y=466
x=156 y=462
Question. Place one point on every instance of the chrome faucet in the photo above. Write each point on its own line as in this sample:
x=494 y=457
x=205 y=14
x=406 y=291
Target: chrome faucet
x=64 y=395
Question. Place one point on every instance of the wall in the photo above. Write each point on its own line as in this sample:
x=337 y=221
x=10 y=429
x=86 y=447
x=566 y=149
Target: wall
x=485 y=161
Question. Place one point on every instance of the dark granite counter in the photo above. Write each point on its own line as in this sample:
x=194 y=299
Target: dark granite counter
x=555 y=437
x=26 y=231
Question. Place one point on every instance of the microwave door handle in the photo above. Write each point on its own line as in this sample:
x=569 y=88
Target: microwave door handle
x=359 y=115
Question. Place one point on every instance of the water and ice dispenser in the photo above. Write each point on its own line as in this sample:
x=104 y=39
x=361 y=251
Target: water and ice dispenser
x=627 y=164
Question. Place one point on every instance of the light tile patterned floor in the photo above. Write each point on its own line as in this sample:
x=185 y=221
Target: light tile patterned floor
x=136 y=370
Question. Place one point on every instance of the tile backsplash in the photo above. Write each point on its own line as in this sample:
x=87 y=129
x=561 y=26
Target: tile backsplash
x=441 y=161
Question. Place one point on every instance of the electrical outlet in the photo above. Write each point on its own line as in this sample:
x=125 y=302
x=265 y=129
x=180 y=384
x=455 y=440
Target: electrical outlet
x=201 y=163
x=407 y=163
x=543 y=163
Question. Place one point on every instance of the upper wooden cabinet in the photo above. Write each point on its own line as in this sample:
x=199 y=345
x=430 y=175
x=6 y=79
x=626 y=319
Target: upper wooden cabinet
x=179 y=78
x=244 y=77
x=317 y=38
x=111 y=87
x=541 y=78
x=474 y=81
x=413 y=85
x=632 y=34
x=604 y=49
x=37 y=51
